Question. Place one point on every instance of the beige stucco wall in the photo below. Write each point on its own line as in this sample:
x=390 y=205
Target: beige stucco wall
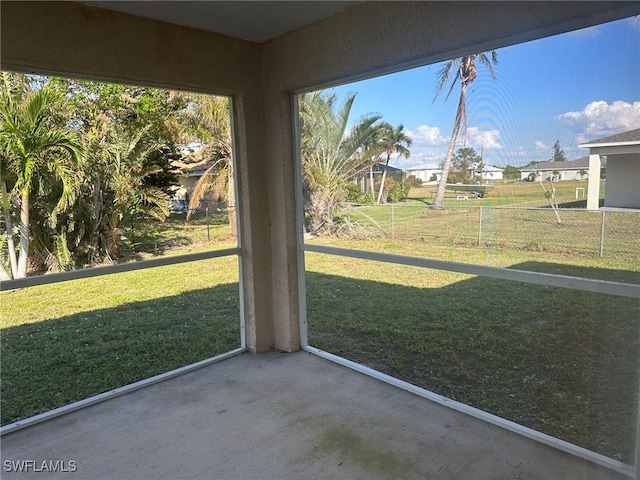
x=372 y=38
x=623 y=171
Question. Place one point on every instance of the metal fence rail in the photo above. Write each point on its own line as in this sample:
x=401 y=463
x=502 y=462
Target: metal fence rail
x=582 y=232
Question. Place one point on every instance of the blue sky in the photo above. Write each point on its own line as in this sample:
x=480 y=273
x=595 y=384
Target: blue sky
x=572 y=88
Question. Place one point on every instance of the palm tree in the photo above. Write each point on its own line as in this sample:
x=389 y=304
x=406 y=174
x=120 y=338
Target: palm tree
x=583 y=173
x=131 y=194
x=465 y=73
x=209 y=123
x=392 y=140
x=330 y=154
x=35 y=154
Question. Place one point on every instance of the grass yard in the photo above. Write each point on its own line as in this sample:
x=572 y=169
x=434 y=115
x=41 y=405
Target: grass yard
x=560 y=361
x=68 y=341
x=515 y=194
x=493 y=222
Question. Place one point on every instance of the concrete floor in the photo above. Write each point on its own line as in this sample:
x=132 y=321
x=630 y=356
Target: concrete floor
x=282 y=416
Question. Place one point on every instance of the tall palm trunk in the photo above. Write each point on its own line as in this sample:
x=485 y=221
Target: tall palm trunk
x=9 y=227
x=438 y=202
x=24 y=237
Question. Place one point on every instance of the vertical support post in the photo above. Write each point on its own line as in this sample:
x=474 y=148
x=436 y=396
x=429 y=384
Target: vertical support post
x=206 y=212
x=133 y=235
x=593 y=186
x=637 y=445
x=602 y=236
x=393 y=224
x=480 y=228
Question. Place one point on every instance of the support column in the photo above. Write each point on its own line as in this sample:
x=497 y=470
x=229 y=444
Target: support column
x=593 y=188
x=281 y=160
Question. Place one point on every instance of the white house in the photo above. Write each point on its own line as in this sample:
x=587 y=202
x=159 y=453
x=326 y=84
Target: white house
x=491 y=173
x=426 y=173
x=567 y=170
x=623 y=170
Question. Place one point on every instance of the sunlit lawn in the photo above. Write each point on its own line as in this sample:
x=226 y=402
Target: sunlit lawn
x=493 y=222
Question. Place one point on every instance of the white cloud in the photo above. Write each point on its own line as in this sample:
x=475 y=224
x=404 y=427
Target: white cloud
x=599 y=119
x=427 y=136
x=488 y=139
x=541 y=146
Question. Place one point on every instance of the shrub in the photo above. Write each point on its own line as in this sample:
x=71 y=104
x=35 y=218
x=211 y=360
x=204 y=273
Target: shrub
x=356 y=195
x=399 y=191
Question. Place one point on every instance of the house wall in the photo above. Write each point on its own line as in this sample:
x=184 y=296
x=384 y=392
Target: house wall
x=561 y=176
x=372 y=38
x=426 y=174
x=496 y=175
x=623 y=171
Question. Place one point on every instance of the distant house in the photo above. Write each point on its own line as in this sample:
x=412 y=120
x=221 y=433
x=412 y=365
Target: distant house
x=189 y=176
x=364 y=178
x=426 y=173
x=491 y=173
x=623 y=170
x=557 y=171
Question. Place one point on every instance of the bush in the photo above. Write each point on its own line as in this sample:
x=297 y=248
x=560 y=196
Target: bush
x=414 y=181
x=399 y=191
x=356 y=195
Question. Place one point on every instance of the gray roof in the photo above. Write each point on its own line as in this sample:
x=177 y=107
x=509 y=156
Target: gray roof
x=632 y=136
x=581 y=163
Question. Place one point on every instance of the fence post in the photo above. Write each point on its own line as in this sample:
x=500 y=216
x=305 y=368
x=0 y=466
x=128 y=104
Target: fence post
x=206 y=213
x=393 y=225
x=602 y=236
x=480 y=228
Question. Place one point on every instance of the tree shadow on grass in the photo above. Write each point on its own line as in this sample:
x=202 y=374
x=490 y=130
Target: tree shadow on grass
x=55 y=362
x=561 y=361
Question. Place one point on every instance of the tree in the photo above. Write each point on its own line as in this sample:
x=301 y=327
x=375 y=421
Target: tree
x=391 y=140
x=131 y=195
x=37 y=154
x=209 y=124
x=558 y=153
x=130 y=136
x=330 y=154
x=511 y=173
x=583 y=173
x=465 y=160
x=465 y=73
x=551 y=196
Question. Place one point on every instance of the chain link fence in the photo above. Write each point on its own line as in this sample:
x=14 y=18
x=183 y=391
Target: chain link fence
x=603 y=233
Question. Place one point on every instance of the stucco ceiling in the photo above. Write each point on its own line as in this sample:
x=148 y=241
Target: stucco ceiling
x=256 y=21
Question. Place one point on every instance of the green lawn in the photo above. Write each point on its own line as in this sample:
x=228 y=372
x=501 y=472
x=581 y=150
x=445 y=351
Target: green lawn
x=560 y=361
x=493 y=222
x=65 y=342
x=521 y=194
